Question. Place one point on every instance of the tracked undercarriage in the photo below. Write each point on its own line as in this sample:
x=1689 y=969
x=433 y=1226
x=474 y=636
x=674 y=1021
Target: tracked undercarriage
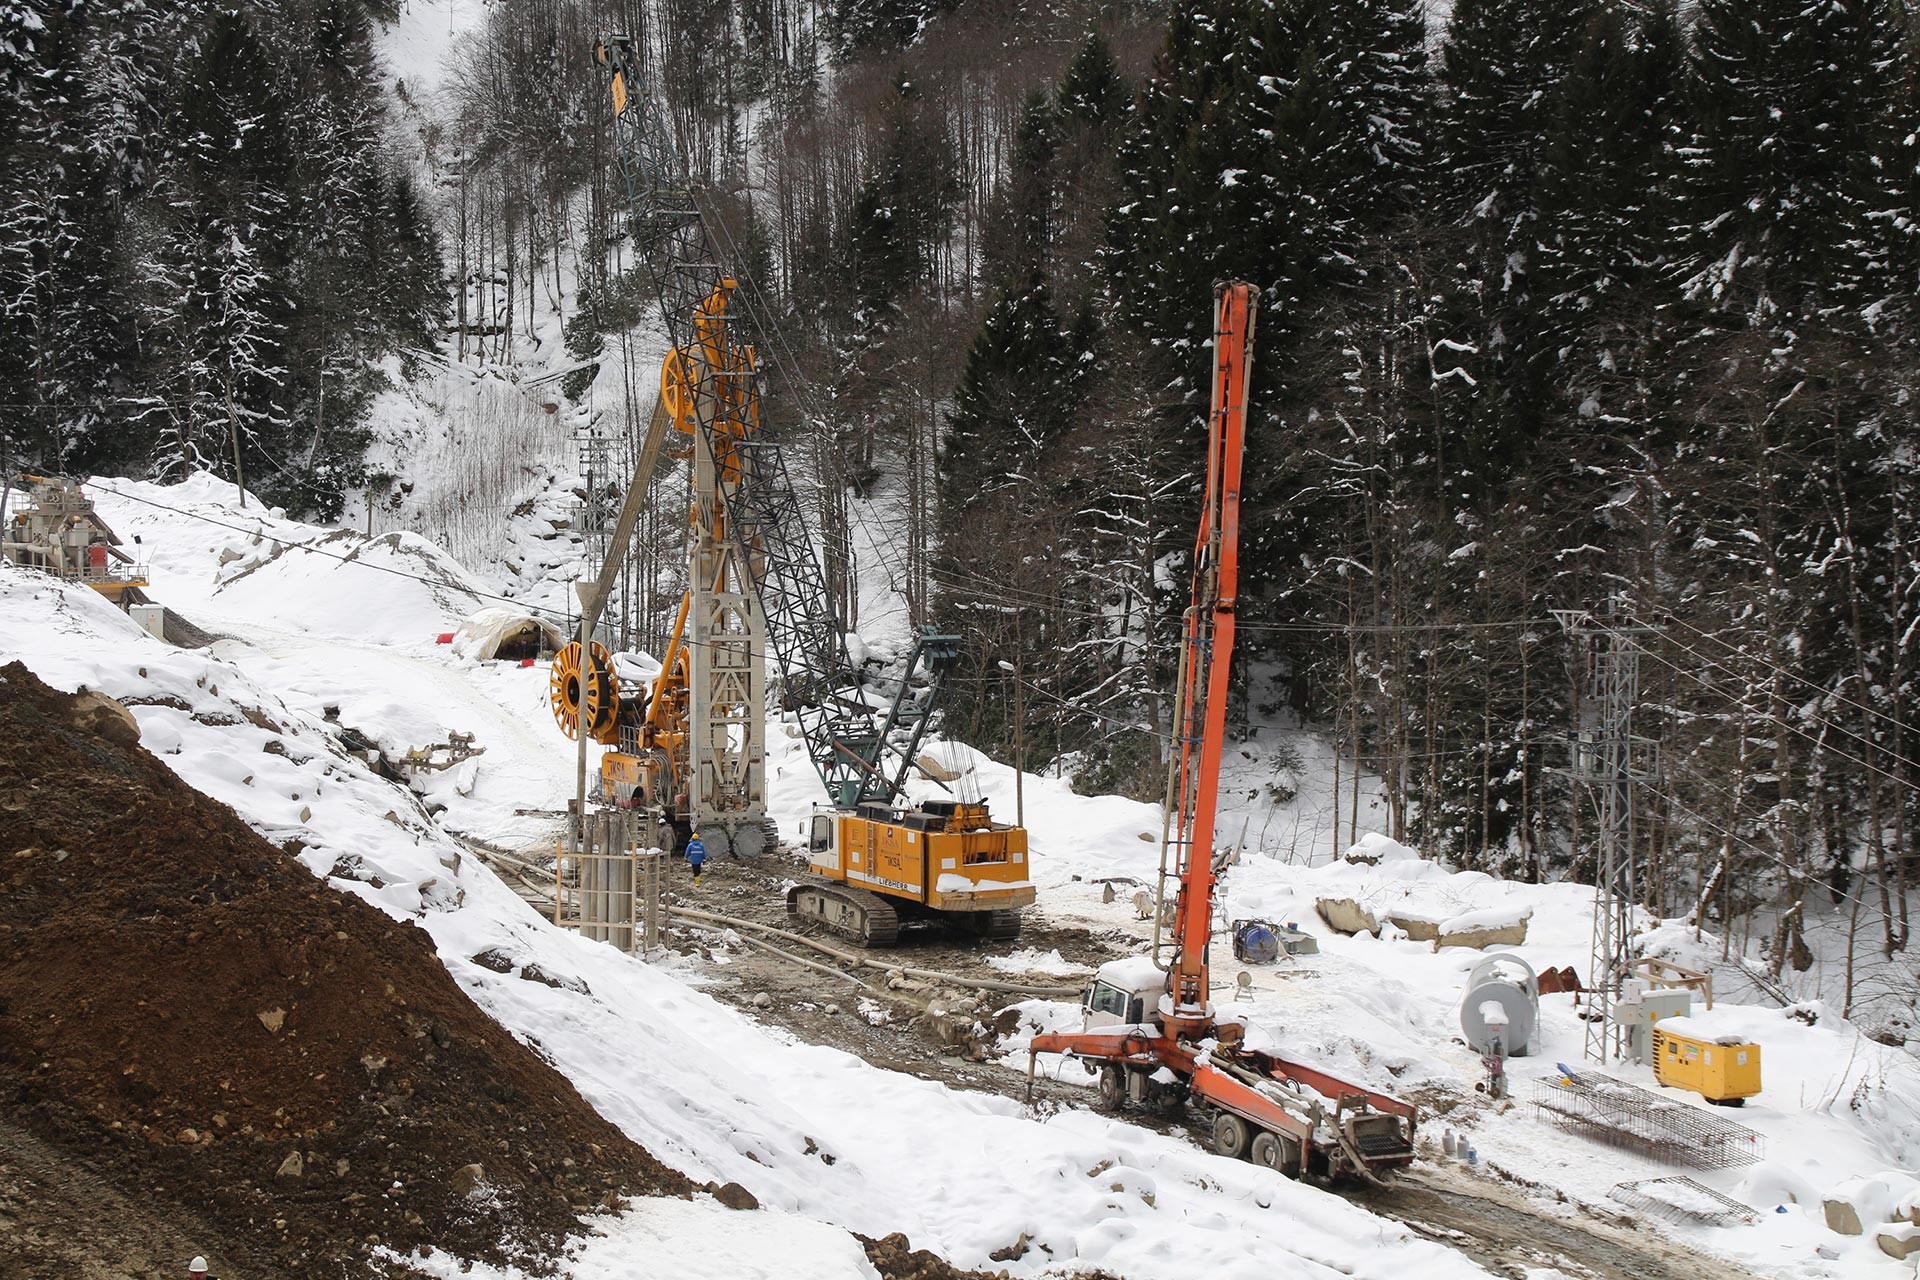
x=875 y=921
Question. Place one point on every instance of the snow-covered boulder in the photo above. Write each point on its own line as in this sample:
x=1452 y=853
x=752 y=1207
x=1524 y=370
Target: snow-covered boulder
x=1898 y=1240
x=1420 y=926
x=1851 y=1207
x=1372 y=849
x=1344 y=915
x=1494 y=927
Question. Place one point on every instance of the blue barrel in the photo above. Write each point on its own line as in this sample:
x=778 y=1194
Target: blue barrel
x=1256 y=941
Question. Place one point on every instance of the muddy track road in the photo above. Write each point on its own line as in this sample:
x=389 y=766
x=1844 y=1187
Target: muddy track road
x=932 y=1031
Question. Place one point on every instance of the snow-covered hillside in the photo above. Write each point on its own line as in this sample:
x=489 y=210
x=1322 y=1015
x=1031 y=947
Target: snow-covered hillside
x=319 y=632
x=809 y=1131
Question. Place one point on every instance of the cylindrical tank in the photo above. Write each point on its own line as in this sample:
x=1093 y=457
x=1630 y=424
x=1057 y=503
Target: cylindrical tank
x=1503 y=1003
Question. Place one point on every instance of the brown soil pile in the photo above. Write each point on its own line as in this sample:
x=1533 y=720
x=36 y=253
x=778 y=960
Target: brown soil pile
x=895 y=1258
x=278 y=1070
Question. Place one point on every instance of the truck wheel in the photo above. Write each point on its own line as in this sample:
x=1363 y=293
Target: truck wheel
x=1276 y=1153
x=1113 y=1087
x=1231 y=1135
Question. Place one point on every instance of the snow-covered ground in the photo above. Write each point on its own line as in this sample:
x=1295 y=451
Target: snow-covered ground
x=810 y=1131
x=316 y=624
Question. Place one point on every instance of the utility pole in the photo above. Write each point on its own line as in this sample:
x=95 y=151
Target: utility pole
x=233 y=429
x=1019 y=744
x=6 y=480
x=1608 y=759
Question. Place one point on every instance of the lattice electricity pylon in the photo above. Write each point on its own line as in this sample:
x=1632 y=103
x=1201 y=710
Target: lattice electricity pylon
x=755 y=508
x=1608 y=759
x=594 y=514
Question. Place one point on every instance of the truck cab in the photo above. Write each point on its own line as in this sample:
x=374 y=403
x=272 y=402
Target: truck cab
x=1125 y=993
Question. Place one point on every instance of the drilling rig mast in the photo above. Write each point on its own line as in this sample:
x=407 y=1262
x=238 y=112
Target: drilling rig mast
x=691 y=747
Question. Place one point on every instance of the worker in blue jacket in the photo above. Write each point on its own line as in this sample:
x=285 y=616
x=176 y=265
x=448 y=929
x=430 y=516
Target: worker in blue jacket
x=696 y=857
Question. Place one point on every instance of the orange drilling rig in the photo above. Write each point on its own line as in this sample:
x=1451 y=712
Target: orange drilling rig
x=1149 y=1020
x=687 y=748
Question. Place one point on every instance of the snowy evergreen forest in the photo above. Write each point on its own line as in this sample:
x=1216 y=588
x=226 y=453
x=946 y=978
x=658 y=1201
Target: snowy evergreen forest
x=205 y=241
x=1563 y=303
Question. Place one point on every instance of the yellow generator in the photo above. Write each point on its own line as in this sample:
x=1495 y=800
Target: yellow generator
x=1722 y=1069
x=940 y=861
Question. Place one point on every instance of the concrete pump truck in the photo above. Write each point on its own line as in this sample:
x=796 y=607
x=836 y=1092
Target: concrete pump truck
x=1150 y=1026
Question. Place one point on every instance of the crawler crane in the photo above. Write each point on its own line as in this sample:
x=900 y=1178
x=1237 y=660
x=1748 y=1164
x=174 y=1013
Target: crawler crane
x=1149 y=1020
x=688 y=748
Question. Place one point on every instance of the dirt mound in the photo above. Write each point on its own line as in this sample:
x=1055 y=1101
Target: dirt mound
x=895 y=1258
x=271 y=1067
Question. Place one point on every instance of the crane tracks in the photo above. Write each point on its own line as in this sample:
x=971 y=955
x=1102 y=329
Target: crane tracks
x=865 y=918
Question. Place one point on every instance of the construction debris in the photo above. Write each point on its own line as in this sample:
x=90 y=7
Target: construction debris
x=440 y=756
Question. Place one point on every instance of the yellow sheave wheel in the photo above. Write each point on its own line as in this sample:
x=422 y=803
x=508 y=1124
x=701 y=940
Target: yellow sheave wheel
x=602 y=709
x=676 y=392
x=563 y=690
x=599 y=690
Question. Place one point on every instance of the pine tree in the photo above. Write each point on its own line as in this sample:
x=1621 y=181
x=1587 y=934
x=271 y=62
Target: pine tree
x=176 y=220
x=1092 y=92
x=861 y=26
x=1902 y=164
x=76 y=100
x=408 y=279
x=1792 y=107
x=902 y=211
x=1272 y=140
x=1504 y=65
x=1015 y=400
x=1158 y=241
x=228 y=255
x=1607 y=209
x=1024 y=219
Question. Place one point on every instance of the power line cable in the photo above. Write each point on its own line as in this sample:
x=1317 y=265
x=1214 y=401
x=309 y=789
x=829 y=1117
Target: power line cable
x=962 y=579
x=761 y=311
x=1820 y=689
x=1822 y=721
x=443 y=584
x=1791 y=727
x=355 y=560
x=1728 y=795
x=1764 y=854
